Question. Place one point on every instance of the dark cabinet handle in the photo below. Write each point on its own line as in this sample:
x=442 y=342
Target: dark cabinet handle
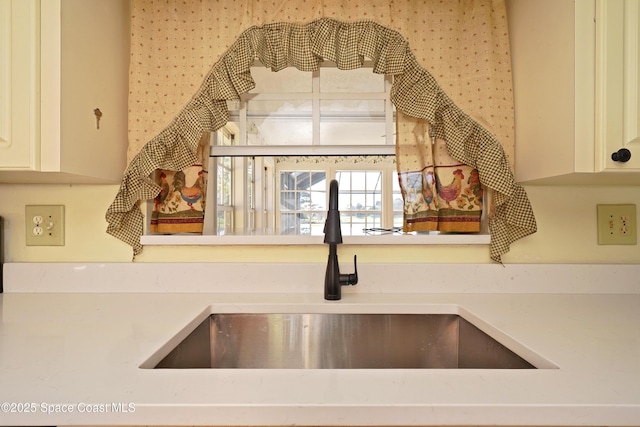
x=622 y=155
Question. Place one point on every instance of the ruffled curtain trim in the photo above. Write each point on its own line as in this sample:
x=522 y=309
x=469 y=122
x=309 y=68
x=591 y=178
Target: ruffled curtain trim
x=304 y=46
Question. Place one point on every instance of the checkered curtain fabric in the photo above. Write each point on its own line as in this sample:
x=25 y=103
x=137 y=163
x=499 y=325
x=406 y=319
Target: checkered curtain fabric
x=278 y=45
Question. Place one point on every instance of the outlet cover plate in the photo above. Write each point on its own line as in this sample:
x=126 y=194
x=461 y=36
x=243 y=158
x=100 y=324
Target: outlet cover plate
x=44 y=225
x=617 y=224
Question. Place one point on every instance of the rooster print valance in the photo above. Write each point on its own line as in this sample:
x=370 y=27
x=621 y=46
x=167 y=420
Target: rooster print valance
x=415 y=93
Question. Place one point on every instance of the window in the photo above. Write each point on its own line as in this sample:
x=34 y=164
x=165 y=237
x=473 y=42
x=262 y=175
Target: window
x=333 y=118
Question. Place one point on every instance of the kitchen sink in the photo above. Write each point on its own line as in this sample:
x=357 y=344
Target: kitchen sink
x=337 y=341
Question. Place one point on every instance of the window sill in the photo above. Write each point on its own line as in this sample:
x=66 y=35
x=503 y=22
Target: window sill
x=387 y=239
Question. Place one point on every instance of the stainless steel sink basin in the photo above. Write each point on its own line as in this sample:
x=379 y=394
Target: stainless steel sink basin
x=339 y=341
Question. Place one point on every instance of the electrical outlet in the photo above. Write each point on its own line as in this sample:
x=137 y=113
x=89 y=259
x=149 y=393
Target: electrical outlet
x=617 y=225
x=44 y=225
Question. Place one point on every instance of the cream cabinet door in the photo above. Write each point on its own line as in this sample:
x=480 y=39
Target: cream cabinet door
x=618 y=84
x=19 y=81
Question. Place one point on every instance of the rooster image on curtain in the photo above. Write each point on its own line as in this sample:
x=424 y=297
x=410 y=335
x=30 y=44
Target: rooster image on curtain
x=180 y=205
x=440 y=193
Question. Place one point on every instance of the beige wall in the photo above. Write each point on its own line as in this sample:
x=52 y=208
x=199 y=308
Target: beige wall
x=566 y=233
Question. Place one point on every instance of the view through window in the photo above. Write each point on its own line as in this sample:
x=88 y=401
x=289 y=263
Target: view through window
x=262 y=190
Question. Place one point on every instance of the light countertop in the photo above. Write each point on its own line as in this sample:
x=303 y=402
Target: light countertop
x=82 y=351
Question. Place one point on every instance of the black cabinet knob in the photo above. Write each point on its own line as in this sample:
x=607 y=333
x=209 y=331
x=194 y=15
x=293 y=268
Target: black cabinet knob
x=622 y=155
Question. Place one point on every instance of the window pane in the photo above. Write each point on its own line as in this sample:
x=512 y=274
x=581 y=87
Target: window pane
x=364 y=109
x=225 y=182
x=280 y=108
x=333 y=80
x=279 y=122
x=225 y=221
x=289 y=80
x=336 y=133
x=360 y=200
x=352 y=122
x=302 y=202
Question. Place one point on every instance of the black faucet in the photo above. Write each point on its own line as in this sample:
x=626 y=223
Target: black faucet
x=333 y=280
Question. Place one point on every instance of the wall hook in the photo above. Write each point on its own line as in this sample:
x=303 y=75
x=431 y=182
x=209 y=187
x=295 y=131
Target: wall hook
x=98 y=114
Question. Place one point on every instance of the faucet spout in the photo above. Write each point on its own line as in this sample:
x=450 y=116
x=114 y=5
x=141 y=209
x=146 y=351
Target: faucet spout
x=332 y=231
x=333 y=280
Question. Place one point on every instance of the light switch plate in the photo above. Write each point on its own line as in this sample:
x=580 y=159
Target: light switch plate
x=617 y=224
x=44 y=225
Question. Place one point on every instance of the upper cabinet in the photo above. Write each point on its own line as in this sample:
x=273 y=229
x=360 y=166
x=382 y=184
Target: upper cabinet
x=576 y=90
x=64 y=83
x=618 y=83
x=19 y=85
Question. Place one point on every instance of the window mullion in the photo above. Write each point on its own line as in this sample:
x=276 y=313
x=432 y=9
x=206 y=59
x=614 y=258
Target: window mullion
x=388 y=110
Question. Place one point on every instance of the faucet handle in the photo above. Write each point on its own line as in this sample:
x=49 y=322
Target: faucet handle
x=350 y=279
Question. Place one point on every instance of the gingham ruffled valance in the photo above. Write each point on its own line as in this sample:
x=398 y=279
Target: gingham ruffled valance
x=279 y=45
